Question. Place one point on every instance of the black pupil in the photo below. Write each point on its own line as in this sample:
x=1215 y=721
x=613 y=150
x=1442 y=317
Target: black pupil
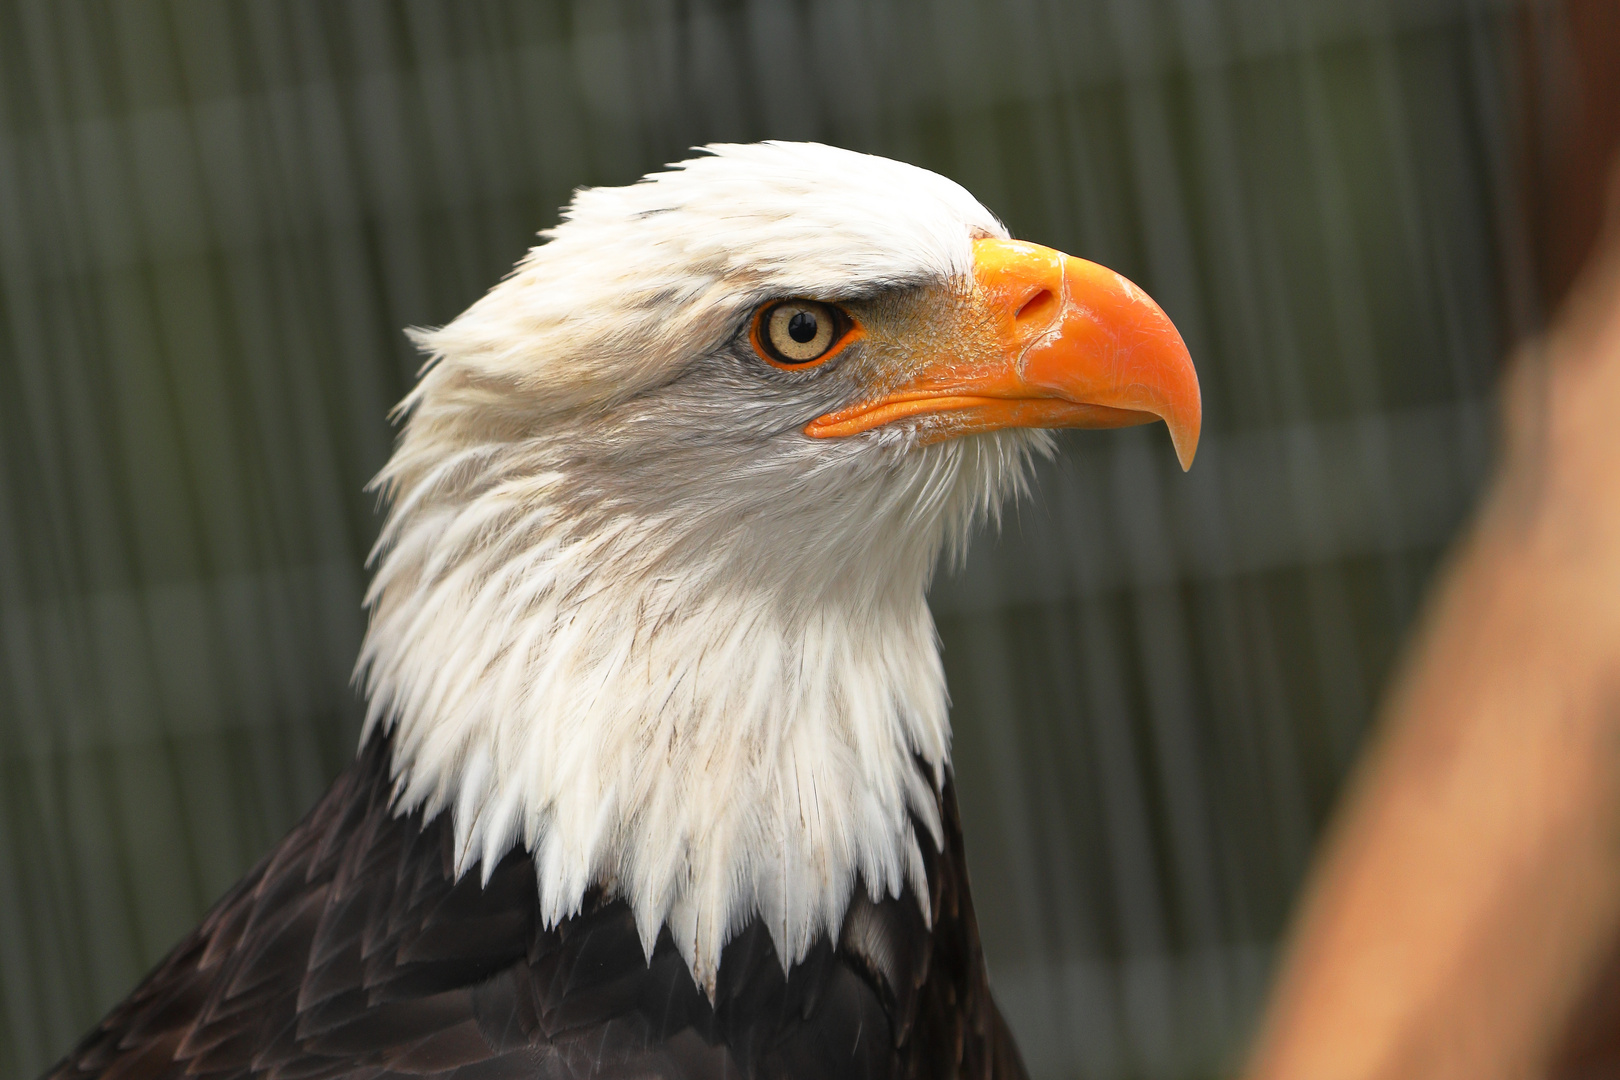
x=802 y=327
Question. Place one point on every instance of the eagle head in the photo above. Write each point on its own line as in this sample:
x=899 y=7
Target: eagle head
x=650 y=595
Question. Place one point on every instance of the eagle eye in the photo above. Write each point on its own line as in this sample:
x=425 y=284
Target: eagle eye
x=800 y=333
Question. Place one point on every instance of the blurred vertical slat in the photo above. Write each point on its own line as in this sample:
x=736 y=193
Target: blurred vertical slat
x=216 y=218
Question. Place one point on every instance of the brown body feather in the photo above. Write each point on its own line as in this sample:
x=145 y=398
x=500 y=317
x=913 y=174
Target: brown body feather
x=351 y=951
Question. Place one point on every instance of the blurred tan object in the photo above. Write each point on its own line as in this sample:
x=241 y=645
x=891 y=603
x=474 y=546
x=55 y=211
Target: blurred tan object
x=1469 y=897
x=1464 y=919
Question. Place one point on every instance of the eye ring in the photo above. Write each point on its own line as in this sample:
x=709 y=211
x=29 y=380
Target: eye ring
x=798 y=334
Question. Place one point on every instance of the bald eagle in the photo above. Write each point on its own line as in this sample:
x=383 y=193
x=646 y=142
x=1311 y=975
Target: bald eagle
x=655 y=777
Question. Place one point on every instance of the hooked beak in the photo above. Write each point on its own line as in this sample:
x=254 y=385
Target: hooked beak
x=1065 y=343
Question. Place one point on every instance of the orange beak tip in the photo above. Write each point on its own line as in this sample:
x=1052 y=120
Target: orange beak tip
x=1186 y=426
x=1186 y=449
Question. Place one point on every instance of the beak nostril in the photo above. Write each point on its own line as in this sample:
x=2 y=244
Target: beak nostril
x=1037 y=306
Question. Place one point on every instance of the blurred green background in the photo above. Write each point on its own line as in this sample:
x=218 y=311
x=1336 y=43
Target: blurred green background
x=216 y=218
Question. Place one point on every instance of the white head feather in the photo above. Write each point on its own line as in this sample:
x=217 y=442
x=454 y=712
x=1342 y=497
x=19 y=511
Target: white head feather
x=625 y=612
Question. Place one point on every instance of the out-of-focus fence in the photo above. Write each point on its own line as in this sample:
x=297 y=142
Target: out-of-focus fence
x=216 y=218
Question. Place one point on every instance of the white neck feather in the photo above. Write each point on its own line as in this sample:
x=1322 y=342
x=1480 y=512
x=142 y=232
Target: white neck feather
x=658 y=703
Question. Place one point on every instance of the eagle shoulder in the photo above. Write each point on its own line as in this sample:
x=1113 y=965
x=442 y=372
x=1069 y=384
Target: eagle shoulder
x=353 y=950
